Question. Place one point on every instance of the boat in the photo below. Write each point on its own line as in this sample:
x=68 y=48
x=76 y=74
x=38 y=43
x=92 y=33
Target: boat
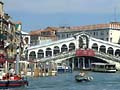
x=12 y=81
x=62 y=69
x=79 y=78
x=9 y=80
x=103 y=67
x=5 y=84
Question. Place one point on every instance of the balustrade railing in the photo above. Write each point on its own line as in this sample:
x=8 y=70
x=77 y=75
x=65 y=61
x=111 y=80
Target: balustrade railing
x=70 y=54
x=107 y=56
x=59 y=56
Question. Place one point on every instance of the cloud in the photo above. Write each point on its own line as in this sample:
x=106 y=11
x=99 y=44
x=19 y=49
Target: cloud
x=62 y=6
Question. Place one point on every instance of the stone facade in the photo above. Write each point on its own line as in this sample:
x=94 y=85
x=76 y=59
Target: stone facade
x=10 y=34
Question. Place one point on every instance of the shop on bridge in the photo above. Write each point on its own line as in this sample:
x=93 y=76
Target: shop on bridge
x=83 y=58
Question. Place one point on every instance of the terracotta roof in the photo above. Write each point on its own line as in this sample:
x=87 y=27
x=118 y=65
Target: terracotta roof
x=113 y=25
x=36 y=32
x=90 y=27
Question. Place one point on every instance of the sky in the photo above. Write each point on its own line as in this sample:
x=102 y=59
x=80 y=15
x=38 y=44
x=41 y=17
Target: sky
x=39 y=14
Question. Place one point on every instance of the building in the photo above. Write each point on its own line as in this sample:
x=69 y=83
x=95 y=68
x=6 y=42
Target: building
x=25 y=43
x=109 y=32
x=10 y=34
x=42 y=36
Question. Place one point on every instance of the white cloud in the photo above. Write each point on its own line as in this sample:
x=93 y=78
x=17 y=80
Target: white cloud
x=62 y=6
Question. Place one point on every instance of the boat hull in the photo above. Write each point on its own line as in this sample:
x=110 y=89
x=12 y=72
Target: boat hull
x=78 y=78
x=103 y=67
x=12 y=83
x=105 y=71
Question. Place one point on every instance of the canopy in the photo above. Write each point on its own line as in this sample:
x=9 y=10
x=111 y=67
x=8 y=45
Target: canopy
x=87 y=52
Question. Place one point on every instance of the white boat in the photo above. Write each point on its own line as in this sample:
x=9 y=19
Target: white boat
x=103 y=67
x=62 y=69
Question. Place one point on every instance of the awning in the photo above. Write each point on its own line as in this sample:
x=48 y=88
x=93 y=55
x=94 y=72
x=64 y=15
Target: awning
x=87 y=52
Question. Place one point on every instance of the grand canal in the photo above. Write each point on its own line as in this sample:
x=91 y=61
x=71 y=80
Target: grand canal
x=66 y=81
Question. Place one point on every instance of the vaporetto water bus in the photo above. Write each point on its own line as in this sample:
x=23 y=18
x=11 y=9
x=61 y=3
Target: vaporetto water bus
x=103 y=67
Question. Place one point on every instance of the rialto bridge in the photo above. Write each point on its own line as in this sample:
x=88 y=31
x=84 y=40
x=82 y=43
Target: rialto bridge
x=65 y=50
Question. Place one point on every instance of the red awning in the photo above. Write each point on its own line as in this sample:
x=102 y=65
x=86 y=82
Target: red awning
x=87 y=52
x=3 y=61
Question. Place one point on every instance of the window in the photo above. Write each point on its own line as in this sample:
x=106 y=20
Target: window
x=110 y=39
x=107 y=33
x=63 y=36
x=102 y=33
x=106 y=39
x=96 y=33
x=67 y=35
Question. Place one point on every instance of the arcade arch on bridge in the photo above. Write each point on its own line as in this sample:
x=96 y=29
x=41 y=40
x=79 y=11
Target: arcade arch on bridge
x=40 y=53
x=56 y=50
x=107 y=50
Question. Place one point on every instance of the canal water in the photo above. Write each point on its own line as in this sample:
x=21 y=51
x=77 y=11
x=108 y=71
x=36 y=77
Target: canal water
x=66 y=81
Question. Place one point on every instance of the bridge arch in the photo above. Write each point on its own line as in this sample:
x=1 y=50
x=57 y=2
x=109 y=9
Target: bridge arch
x=56 y=50
x=48 y=52
x=32 y=55
x=102 y=49
x=40 y=53
x=117 y=52
x=95 y=46
x=64 y=48
x=110 y=51
x=71 y=46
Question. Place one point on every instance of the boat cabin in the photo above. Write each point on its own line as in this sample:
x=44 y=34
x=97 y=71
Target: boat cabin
x=103 y=67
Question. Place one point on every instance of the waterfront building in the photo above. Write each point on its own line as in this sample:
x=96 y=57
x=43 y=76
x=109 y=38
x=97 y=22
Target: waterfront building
x=108 y=32
x=10 y=34
x=25 y=44
x=38 y=37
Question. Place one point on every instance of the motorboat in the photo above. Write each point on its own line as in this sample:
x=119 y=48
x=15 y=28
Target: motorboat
x=79 y=78
x=12 y=82
x=62 y=69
